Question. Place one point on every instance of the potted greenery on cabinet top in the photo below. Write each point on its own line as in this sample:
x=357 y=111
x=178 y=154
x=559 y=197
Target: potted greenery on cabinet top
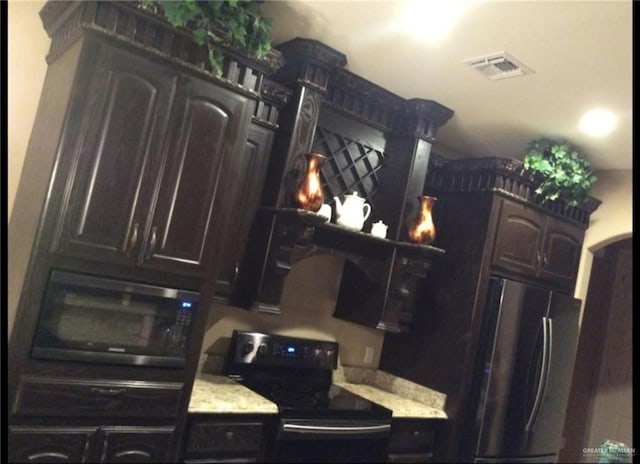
x=235 y=24
x=564 y=173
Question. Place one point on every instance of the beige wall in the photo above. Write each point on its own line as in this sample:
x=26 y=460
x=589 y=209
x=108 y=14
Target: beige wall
x=312 y=285
x=27 y=46
x=307 y=305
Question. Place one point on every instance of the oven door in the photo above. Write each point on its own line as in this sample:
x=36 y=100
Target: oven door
x=331 y=440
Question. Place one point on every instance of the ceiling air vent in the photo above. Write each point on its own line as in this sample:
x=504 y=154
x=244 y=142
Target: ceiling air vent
x=498 y=66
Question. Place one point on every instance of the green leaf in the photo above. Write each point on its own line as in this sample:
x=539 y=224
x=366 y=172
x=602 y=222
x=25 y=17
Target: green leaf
x=565 y=173
x=233 y=23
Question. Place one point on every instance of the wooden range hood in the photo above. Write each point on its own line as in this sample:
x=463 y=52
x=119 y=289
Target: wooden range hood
x=378 y=144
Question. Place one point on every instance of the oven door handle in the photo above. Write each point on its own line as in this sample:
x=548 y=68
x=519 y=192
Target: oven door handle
x=336 y=429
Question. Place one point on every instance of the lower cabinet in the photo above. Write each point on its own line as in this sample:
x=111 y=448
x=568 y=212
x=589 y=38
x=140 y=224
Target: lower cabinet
x=104 y=444
x=212 y=439
x=412 y=440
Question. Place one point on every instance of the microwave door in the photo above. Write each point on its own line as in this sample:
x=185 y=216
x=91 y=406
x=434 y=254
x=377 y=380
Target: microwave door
x=85 y=318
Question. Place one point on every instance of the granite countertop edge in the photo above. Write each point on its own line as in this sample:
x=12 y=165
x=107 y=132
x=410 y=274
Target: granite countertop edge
x=219 y=394
x=403 y=397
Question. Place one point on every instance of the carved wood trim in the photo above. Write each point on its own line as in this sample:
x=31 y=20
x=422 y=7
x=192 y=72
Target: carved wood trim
x=273 y=97
x=65 y=22
x=501 y=175
x=384 y=110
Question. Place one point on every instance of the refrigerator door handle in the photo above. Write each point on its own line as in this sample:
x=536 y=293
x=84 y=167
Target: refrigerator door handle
x=543 y=377
x=550 y=353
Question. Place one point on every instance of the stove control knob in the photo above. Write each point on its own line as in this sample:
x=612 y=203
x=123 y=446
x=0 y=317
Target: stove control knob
x=247 y=348
x=262 y=349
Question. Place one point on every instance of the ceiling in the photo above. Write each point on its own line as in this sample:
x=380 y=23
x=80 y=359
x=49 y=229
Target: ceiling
x=579 y=52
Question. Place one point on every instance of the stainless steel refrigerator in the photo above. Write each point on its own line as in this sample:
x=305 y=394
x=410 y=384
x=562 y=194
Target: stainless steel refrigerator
x=524 y=371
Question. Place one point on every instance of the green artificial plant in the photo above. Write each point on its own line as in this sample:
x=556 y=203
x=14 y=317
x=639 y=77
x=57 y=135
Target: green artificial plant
x=232 y=23
x=564 y=172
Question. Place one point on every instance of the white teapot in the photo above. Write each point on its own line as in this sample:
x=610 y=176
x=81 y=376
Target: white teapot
x=353 y=212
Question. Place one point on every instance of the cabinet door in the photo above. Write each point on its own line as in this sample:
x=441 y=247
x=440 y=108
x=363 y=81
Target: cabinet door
x=50 y=444
x=561 y=252
x=254 y=160
x=518 y=239
x=208 y=130
x=134 y=444
x=115 y=159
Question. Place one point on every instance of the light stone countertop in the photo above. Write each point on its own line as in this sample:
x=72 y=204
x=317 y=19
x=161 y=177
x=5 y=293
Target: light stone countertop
x=219 y=394
x=216 y=393
x=404 y=398
x=401 y=407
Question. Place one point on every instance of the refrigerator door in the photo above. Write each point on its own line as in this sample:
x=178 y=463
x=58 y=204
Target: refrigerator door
x=546 y=432
x=515 y=363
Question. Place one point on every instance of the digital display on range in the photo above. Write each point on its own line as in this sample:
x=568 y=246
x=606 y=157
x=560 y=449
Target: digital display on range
x=289 y=350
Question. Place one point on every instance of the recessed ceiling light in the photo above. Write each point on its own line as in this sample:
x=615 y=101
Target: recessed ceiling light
x=432 y=20
x=598 y=122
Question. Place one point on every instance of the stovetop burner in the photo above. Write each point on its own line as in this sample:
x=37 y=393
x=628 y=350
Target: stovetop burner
x=289 y=398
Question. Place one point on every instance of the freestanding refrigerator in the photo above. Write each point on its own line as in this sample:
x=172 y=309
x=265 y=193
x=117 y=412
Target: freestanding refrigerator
x=524 y=371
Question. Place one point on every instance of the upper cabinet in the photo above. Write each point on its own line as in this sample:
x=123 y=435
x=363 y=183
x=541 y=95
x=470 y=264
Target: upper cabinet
x=253 y=162
x=522 y=236
x=536 y=245
x=156 y=152
x=146 y=164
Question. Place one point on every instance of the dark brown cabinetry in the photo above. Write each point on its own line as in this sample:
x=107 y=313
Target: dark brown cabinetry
x=132 y=175
x=145 y=168
x=72 y=397
x=412 y=440
x=378 y=145
x=492 y=224
x=105 y=444
x=62 y=419
x=254 y=161
x=224 y=439
x=533 y=244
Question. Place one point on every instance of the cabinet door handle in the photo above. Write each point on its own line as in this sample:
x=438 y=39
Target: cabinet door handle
x=236 y=270
x=545 y=260
x=152 y=243
x=133 y=240
x=401 y=292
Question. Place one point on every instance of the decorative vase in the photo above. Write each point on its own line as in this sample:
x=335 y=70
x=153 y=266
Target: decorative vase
x=308 y=194
x=423 y=230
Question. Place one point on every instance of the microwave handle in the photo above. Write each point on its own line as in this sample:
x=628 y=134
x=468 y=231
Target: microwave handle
x=108 y=391
x=152 y=243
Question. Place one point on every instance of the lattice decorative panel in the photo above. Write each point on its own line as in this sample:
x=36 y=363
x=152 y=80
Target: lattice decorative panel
x=353 y=166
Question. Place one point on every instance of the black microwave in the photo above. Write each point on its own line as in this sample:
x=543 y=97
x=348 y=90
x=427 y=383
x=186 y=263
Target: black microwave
x=97 y=319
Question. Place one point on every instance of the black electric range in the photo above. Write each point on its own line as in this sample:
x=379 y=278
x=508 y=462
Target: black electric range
x=318 y=421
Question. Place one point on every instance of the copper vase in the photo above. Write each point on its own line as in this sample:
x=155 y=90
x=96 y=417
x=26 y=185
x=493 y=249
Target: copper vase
x=308 y=194
x=423 y=230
